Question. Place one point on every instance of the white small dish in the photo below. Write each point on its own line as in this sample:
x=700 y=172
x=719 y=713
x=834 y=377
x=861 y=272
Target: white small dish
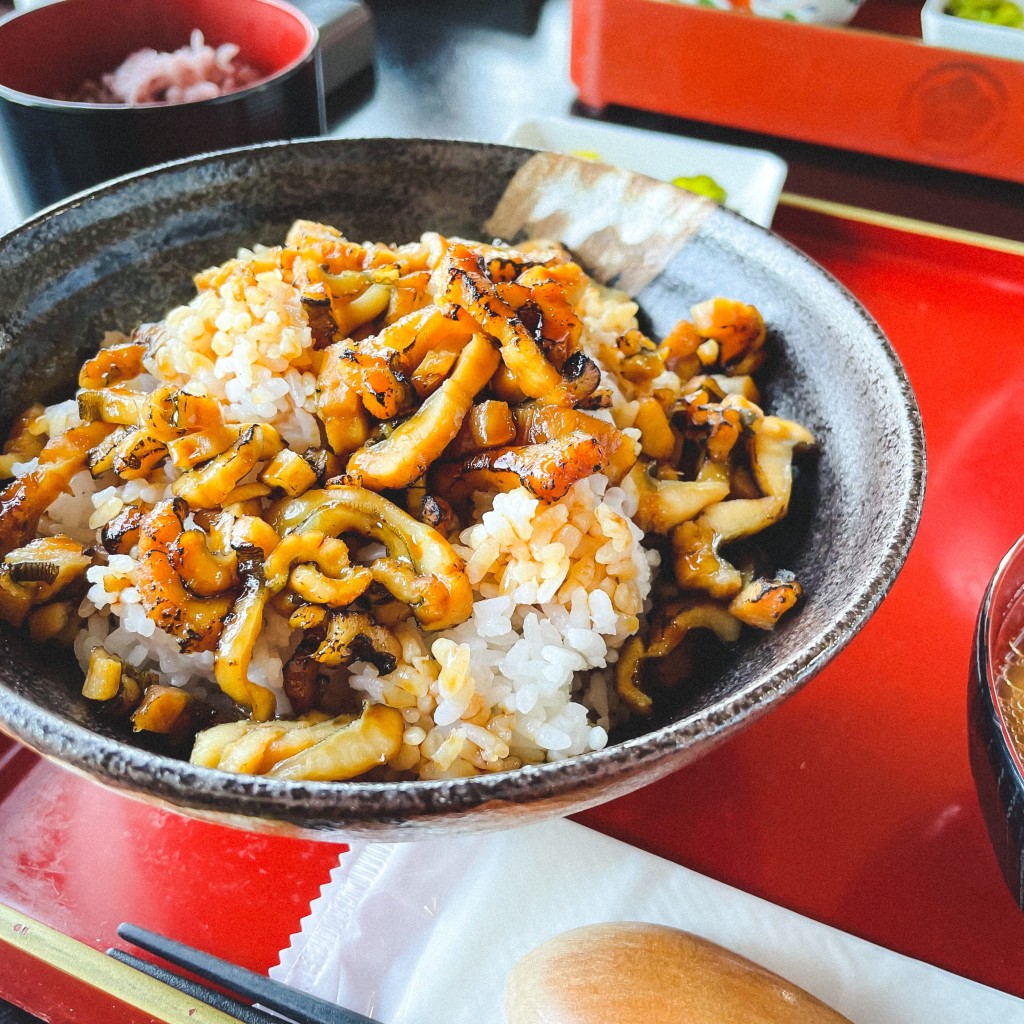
x=941 y=29
x=752 y=178
x=807 y=12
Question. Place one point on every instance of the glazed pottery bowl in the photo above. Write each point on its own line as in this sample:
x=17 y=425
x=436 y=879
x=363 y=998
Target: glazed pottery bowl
x=996 y=715
x=126 y=253
x=52 y=147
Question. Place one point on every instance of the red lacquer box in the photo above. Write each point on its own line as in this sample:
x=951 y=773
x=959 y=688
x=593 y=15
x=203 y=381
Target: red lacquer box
x=869 y=87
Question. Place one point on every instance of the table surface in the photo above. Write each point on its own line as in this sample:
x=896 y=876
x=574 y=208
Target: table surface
x=469 y=69
x=853 y=802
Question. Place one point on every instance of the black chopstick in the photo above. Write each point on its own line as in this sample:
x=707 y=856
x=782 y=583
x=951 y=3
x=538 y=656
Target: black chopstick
x=235 y=1008
x=302 y=1008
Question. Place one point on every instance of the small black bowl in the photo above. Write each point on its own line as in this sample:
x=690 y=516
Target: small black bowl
x=54 y=147
x=997 y=763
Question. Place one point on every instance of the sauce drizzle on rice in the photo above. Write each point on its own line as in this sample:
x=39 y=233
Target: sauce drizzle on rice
x=422 y=511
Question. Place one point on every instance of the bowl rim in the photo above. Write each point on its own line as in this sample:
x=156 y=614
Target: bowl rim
x=988 y=671
x=29 y=99
x=33 y=723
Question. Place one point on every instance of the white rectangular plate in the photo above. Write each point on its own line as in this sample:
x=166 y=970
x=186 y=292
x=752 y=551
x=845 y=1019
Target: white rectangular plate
x=752 y=178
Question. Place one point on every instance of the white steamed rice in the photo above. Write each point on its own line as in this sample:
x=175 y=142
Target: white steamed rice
x=558 y=587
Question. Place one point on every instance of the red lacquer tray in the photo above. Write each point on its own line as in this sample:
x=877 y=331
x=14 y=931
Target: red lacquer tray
x=852 y=803
x=873 y=86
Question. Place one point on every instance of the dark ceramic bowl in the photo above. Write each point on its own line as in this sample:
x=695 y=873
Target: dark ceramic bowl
x=52 y=148
x=127 y=252
x=996 y=762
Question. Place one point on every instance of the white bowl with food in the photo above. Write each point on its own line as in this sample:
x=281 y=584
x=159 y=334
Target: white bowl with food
x=993 y=27
x=807 y=12
x=413 y=532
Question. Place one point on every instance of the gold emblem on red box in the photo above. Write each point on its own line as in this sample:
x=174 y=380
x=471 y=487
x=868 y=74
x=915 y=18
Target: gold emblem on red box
x=955 y=109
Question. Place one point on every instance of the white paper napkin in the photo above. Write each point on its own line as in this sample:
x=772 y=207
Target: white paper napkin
x=426 y=933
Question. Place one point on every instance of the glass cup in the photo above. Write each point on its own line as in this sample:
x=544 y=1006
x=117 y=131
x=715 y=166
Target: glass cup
x=996 y=715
